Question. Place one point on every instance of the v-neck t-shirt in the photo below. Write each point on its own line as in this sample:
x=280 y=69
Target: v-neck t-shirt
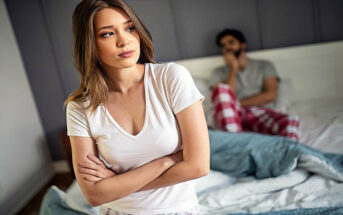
x=169 y=89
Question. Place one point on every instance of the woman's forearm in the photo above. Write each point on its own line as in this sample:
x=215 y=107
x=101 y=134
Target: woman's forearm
x=180 y=172
x=119 y=186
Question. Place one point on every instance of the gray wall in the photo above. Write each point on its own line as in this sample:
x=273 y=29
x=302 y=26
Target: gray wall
x=25 y=162
x=180 y=29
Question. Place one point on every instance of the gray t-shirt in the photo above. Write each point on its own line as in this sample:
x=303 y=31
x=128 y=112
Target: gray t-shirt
x=250 y=80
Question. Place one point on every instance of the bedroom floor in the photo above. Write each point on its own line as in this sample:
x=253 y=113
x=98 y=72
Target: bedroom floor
x=61 y=180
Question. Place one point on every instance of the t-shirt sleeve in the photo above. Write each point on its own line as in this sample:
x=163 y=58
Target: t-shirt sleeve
x=270 y=70
x=181 y=89
x=77 y=123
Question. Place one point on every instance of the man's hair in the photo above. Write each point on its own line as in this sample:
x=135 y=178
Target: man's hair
x=233 y=32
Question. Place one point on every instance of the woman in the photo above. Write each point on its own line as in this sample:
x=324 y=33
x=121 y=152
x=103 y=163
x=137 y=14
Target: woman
x=145 y=120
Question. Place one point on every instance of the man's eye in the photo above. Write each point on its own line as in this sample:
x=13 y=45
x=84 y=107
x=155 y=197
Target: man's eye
x=107 y=34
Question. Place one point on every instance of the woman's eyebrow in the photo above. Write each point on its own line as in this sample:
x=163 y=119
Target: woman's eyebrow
x=111 y=26
x=105 y=27
x=128 y=21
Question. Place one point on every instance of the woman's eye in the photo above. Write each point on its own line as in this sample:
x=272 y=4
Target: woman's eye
x=107 y=34
x=132 y=28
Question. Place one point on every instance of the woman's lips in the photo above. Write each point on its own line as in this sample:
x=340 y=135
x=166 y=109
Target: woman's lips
x=126 y=54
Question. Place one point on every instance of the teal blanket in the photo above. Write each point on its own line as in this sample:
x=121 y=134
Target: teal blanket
x=264 y=156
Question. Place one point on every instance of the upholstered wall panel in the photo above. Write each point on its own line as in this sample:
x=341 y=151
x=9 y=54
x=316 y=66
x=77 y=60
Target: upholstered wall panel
x=286 y=23
x=157 y=16
x=198 y=22
x=330 y=20
x=38 y=55
x=58 y=19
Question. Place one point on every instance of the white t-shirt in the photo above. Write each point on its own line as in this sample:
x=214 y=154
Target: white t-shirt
x=169 y=88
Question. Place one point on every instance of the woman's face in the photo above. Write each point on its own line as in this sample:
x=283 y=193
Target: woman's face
x=117 y=41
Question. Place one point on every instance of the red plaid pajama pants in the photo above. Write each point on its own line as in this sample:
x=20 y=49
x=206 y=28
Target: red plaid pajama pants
x=231 y=116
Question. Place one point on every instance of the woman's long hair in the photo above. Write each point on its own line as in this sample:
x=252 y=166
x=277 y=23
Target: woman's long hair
x=93 y=86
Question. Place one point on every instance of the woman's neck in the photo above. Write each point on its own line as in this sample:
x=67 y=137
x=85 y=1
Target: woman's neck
x=122 y=80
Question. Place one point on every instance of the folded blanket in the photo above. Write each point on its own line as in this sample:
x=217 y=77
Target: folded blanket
x=263 y=156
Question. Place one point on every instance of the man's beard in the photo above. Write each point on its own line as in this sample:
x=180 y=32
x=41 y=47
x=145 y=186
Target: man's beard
x=237 y=53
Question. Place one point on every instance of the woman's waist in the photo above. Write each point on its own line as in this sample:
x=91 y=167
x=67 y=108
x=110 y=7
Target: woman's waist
x=178 y=196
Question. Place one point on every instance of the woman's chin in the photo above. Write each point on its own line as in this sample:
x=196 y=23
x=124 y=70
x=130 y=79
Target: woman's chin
x=125 y=63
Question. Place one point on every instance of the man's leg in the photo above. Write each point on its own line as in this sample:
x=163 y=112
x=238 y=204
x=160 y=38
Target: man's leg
x=227 y=108
x=268 y=121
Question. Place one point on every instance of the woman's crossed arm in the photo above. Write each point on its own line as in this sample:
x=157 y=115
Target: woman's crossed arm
x=190 y=163
x=115 y=186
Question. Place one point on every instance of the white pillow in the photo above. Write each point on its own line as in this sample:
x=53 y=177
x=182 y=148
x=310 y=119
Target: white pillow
x=284 y=97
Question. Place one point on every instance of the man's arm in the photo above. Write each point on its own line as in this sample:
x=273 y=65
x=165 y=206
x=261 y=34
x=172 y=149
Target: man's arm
x=269 y=93
x=232 y=63
x=231 y=81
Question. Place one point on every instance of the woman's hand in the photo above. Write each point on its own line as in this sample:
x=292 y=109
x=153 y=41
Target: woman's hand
x=94 y=170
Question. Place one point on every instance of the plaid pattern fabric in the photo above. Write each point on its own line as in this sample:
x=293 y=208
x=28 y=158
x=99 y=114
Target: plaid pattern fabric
x=231 y=116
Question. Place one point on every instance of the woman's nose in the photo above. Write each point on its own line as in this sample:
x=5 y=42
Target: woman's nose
x=122 y=41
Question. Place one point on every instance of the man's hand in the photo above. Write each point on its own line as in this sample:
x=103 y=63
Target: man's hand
x=232 y=62
x=94 y=170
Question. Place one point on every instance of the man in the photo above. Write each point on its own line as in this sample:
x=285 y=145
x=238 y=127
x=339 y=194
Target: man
x=245 y=89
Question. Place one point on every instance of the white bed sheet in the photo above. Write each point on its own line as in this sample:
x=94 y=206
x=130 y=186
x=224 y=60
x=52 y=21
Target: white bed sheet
x=321 y=123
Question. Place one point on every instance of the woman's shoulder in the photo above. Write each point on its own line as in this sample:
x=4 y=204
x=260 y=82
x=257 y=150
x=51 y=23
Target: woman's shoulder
x=168 y=70
x=78 y=105
x=167 y=66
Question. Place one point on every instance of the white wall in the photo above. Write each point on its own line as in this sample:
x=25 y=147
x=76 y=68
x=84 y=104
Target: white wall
x=25 y=163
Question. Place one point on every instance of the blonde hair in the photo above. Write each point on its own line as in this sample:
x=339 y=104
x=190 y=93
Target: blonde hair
x=93 y=78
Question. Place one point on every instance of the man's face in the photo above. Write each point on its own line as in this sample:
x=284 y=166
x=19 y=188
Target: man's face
x=230 y=45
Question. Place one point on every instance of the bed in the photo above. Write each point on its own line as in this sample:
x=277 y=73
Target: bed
x=311 y=88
